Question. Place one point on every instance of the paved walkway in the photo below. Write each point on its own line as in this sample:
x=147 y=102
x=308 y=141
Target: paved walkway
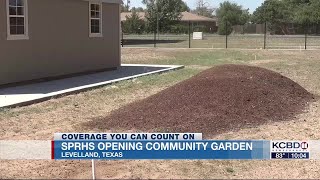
x=32 y=93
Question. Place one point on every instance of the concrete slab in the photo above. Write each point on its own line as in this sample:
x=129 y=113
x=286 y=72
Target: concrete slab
x=33 y=93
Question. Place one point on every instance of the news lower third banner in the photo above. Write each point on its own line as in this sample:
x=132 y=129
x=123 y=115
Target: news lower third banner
x=155 y=146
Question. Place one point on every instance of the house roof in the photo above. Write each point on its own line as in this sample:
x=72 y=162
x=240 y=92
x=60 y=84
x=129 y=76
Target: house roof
x=125 y=14
x=108 y=1
x=185 y=16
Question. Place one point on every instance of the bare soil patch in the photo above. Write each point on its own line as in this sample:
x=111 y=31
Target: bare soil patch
x=224 y=98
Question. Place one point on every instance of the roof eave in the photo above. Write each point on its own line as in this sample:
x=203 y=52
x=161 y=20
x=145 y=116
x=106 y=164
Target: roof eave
x=106 y=1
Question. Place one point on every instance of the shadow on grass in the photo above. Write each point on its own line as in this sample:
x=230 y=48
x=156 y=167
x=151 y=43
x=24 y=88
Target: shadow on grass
x=148 y=41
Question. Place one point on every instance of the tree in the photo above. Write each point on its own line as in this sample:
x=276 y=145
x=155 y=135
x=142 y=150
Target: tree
x=137 y=9
x=184 y=7
x=162 y=13
x=307 y=12
x=276 y=13
x=203 y=9
x=125 y=7
x=230 y=14
x=279 y=13
x=315 y=9
x=303 y=15
x=134 y=24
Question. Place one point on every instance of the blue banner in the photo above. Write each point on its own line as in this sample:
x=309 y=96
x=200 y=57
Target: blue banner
x=161 y=150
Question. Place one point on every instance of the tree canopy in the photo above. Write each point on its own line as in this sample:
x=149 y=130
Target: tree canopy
x=125 y=6
x=137 y=9
x=163 y=13
x=185 y=7
x=307 y=12
x=230 y=14
x=203 y=9
x=134 y=24
x=279 y=13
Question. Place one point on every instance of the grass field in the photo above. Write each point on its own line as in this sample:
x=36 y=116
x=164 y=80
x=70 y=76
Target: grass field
x=66 y=114
x=234 y=41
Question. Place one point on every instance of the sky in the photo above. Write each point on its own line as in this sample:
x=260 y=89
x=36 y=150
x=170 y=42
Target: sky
x=251 y=4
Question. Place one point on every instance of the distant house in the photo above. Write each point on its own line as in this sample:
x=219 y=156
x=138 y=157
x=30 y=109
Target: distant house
x=209 y=24
x=52 y=38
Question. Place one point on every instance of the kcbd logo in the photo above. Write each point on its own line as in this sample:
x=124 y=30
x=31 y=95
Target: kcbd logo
x=290 y=145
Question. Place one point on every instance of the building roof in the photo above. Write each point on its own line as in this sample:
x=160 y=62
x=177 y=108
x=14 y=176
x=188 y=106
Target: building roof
x=185 y=16
x=108 y=1
x=125 y=14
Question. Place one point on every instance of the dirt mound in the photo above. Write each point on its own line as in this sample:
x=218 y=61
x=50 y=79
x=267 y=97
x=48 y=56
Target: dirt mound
x=220 y=99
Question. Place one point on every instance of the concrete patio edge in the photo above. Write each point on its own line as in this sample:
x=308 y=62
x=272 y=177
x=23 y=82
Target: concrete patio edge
x=94 y=85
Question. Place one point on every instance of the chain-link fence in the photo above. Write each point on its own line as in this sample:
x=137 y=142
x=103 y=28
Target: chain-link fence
x=206 y=34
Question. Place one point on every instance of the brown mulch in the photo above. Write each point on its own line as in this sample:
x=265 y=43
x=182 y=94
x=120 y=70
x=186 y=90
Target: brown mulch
x=220 y=99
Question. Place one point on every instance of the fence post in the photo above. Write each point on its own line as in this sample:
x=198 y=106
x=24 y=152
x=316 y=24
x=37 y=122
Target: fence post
x=189 y=34
x=226 y=35
x=306 y=36
x=122 y=40
x=155 y=38
x=265 y=36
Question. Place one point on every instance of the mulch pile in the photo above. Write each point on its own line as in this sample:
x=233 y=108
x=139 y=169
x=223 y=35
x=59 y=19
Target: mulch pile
x=220 y=99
